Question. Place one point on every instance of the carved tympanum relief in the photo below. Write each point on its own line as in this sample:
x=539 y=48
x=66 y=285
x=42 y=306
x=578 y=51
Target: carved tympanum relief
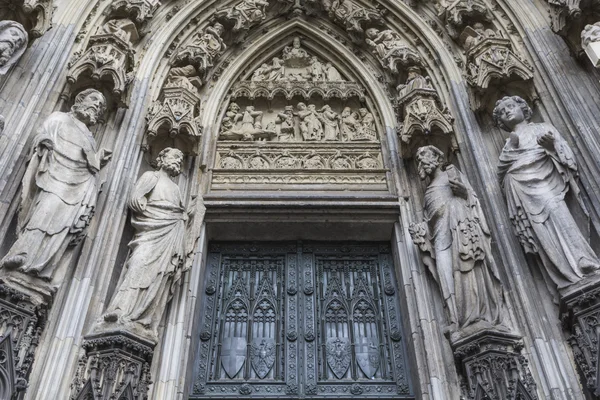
x=34 y=15
x=298 y=112
x=537 y=169
x=13 y=43
x=157 y=254
x=58 y=198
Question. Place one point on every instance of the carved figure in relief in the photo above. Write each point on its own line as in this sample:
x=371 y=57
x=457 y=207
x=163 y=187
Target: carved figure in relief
x=184 y=77
x=537 y=169
x=122 y=28
x=231 y=118
x=456 y=245
x=60 y=188
x=414 y=81
x=387 y=45
x=210 y=41
x=277 y=70
x=261 y=73
x=367 y=129
x=317 y=71
x=477 y=34
x=330 y=120
x=310 y=125
x=245 y=14
x=314 y=161
x=349 y=124
x=13 y=43
x=251 y=119
x=295 y=55
x=333 y=75
x=157 y=253
x=286 y=121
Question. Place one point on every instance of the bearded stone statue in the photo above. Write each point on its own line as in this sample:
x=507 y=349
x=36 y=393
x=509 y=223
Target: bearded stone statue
x=157 y=251
x=60 y=188
x=537 y=169
x=13 y=42
x=456 y=246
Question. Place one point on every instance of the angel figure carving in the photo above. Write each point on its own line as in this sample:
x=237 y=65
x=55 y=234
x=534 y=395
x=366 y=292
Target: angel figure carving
x=456 y=246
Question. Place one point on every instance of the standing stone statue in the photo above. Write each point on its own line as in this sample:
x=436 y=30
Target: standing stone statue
x=60 y=188
x=537 y=169
x=455 y=241
x=13 y=42
x=157 y=251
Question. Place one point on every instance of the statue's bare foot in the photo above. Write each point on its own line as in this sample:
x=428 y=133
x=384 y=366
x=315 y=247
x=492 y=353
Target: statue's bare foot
x=111 y=317
x=13 y=262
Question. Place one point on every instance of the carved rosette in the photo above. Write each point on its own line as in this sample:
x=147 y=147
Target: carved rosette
x=34 y=15
x=174 y=122
x=108 y=60
x=492 y=61
x=459 y=13
x=424 y=122
x=581 y=318
x=21 y=325
x=114 y=366
x=492 y=367
x=139 y=11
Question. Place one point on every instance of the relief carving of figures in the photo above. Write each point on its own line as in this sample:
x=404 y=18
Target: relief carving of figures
x=287 y=123
x=349 y=124
x=391 y=50
x=122 y=28
x=537 y=169
x=330 y=120
x=184 y=77
x=456 y=246
x=59 y=194
x=244 y=15
x=367 y=129
x=311 y=127
x=352 y=17
x=34 y=15
x=158 y=252
x=13 y=43
x=295 y=55
x=204 y=49
x=246 y=125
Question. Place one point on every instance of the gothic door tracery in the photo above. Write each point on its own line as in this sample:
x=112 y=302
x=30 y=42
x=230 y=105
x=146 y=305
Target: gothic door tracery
x=300 y=320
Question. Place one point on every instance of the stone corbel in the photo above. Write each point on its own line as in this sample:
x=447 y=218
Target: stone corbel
x=139 y=11
x=21 y=324
x=173 y=121
x=424 y=120
x=393 y=52
x=34 y=15
x=493 y=367
x=562 y=13
x=459 y=13
x=107 y=63
x=493 y=62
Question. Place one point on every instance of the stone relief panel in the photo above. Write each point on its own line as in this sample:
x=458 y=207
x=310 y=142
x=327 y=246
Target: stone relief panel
x=299 y=120
x=34 y=15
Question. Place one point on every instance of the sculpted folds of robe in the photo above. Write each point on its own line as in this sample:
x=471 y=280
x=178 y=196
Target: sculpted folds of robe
x=535 y=182
x=60 y=188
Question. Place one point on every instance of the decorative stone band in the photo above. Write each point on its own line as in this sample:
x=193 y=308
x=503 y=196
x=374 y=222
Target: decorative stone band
x=492 y=366
x=116 y=365
x=289 y=89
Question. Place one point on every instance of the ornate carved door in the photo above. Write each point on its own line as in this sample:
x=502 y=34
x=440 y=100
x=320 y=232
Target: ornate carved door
x=301 y=320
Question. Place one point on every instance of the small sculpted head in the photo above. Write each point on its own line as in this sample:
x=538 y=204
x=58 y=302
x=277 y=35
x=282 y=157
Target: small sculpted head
x=429 y=159
x=363 y=112
x=217 y=27
x=296 y=43
x=234 y=107
x=510 y=111
x=372 y=33
x=13 y=42
x=301 y=106
x=89 y=107
x=346 y=111
x=478 y=27
x=170 y=160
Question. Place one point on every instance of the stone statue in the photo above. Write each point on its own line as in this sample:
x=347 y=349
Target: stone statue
x=295 y=55
x=310 y=125
x=333 y=75
x=389 y=47
x=317 y=71
x=455 y=241
x=203 y=50
x=330 y=120
x=477 y=34
x=414 y=81
x=537 y=169
x=286 y=120
x=157 y=254
x=60 y=188
x=261 y=74
x=590 y=34
x=349 y=124
x=277 y=70
x=184 y=77
x=13 y=43
x=367 y=129
x=122 y=28
x=231 y=118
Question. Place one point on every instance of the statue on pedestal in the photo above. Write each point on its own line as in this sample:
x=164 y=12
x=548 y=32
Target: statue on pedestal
x=455 y=241
x=60 y=188
x=157 y=253
x=537 y=169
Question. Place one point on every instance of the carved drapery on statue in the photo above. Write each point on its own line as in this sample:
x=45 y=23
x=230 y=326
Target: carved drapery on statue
x=59 y=194
x=456 y=245
x=13 y=43
x=157 y=252
x=537 y=169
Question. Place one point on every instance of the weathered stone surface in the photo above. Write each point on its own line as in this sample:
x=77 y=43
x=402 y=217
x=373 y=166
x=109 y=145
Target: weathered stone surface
x=13 y=43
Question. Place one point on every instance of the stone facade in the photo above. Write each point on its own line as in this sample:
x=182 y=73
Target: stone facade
x=299 y=199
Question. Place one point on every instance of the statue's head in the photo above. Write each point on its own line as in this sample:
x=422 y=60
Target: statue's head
x=217 y=27
x=478 y=27
x=170 y=160
x=363 y=111
x=372 y=33
x=301 y=106
x=13 y=42
x=511 y=111
x=296 y=43
x=234 y=107
x=89 y=107
x=346 y=111
x=429 y=158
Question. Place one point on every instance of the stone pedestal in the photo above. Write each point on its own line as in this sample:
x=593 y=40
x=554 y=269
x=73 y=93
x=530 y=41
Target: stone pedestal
x=580 y=313
x=492 y=367
x=21 y=325
x=116 y=365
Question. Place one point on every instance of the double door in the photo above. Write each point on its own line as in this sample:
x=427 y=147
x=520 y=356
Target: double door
x=300 y=320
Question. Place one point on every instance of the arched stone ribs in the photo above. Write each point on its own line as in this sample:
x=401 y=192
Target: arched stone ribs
x=34 y=15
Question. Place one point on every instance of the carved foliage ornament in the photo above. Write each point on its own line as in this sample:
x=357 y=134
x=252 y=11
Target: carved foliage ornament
x=34 y=15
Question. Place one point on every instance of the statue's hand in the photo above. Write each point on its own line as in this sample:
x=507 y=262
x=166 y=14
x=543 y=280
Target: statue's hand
x=458 y=188
x=547 y=141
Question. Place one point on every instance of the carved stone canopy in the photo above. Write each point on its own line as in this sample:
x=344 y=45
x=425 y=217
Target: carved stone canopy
x=458 y=14
x=34 y=15
x=139 y=11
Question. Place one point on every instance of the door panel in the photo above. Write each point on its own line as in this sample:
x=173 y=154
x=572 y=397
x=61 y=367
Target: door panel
x=300 y=320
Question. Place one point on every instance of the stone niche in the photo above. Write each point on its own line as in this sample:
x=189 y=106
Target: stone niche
x=297 y=122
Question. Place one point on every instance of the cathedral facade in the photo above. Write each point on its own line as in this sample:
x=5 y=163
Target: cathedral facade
x=299 y=199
